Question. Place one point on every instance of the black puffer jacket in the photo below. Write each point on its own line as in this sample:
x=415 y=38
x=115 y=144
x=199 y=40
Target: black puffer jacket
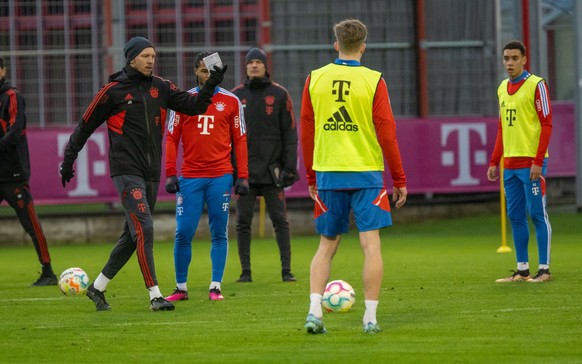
x=271 y=128
x=134 y=106
x=14 y=158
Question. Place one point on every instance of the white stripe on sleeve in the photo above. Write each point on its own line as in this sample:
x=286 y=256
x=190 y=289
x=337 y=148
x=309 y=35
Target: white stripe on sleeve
x=544 y=98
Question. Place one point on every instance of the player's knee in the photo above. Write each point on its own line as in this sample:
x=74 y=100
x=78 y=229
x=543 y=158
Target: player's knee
x=147 y=229
x=183 y=236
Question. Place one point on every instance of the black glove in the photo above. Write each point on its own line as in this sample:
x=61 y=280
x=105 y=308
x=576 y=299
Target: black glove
x=204 y=100
x=67 y=172
x=172 y=184
x=241 y=186
x=207 y=91
x=216 y=76
x=287 y=178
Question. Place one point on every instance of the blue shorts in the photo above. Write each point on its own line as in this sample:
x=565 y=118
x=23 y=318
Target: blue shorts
x=371 y=209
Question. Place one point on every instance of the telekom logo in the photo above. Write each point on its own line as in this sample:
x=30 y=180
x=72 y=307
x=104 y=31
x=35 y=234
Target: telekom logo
x=205 y=122
x=464 y=156
x=84 y=168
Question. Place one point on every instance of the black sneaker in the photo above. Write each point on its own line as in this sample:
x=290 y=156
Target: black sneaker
x=288 y=277
x=245 y=277
x=98 y=298
x=161 y=304
x=46 y=281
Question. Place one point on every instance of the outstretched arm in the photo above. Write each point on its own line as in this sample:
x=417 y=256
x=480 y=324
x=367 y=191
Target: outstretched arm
x=95 y=115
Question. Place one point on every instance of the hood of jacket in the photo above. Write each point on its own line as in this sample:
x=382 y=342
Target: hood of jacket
x=257 y=82
x=129 y=74
x=4 y=85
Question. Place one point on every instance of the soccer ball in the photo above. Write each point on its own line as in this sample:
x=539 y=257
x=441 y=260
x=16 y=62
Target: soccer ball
x=338 y=296
x=74 y=281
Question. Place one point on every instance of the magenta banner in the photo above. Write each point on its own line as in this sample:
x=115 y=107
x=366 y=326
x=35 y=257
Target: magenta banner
x=440 y=155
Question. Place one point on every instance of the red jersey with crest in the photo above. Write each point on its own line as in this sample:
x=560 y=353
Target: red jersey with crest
x=208 y=139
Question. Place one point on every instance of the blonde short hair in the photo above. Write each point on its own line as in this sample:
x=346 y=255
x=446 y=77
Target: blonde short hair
x=350 y=34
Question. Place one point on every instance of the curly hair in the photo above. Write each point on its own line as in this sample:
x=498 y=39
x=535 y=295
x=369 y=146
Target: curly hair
x=350 y=34
x=199 y=57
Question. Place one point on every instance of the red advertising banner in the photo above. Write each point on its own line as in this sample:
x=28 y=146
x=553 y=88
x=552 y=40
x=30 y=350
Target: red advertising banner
x=440 y=155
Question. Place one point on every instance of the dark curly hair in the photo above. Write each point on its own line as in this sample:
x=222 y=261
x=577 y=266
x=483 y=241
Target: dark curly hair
x=199 y=57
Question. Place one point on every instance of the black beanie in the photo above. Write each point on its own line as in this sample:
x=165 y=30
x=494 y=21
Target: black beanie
x=135 y=46
x=256 y=53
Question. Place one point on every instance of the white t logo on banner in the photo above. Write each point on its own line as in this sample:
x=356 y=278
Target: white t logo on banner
x=83 y=166
x=463 y=131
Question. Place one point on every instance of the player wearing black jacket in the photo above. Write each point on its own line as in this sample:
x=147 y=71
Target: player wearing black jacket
x=272 y=153
x=134 y=104
x=15 y=173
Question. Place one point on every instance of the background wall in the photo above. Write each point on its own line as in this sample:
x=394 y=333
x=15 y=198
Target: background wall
x=439 y=57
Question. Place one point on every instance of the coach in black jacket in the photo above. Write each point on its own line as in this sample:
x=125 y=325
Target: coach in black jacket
x=15 y=173
x=134 y=105
x=272 y=151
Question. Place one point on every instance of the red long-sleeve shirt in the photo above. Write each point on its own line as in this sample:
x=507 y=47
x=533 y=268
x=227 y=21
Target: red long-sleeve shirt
x=208 y=139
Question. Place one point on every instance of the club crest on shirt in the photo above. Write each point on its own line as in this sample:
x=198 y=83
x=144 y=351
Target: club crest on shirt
x=179 y=200
x=136 y=193
x=154 y=92
x=220 y=106
x=269 y=100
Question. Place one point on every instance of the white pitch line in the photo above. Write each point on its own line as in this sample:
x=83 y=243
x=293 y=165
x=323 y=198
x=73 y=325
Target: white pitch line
x=32 y=299
x=126 y=324
x=523 y=309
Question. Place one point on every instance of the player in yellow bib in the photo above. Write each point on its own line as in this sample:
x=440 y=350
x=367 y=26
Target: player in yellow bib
x=525 y=126
x=347 y=132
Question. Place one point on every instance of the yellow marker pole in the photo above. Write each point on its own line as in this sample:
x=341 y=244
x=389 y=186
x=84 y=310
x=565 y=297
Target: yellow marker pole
x=262 y=209
x=504 y=248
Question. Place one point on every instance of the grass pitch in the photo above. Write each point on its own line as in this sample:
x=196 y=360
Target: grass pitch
x=439 y=304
